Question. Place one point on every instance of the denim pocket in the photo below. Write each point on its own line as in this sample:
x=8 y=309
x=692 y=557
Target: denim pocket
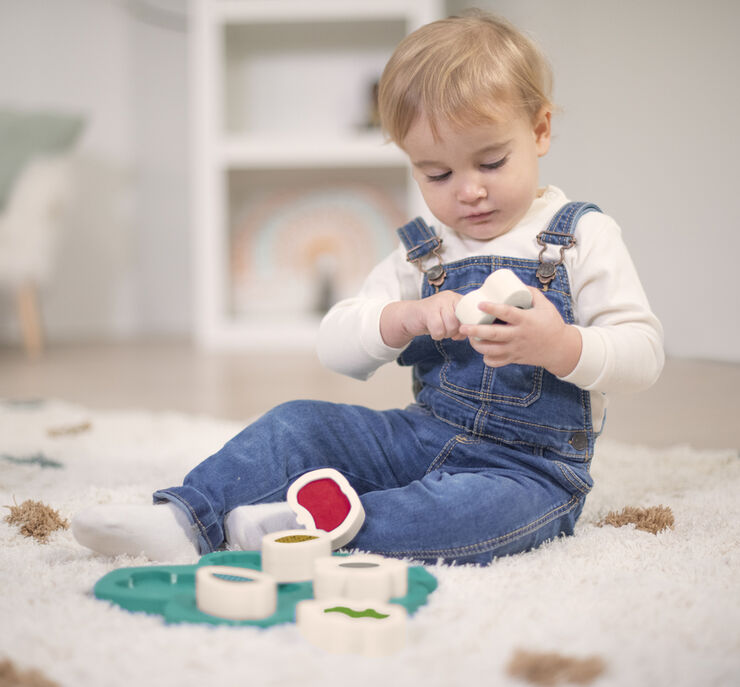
x=465 y=374
x=575 y=480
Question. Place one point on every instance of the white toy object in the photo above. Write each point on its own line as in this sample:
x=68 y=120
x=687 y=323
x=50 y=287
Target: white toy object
x=342 y=626
x=360 y=576
x=235 y=593
x=501 y=286
x=325 y=500
x=289 y=555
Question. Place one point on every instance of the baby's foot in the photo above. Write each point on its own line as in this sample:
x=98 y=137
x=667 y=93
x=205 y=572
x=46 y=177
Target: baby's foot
x=245 y=526
x=160 y=532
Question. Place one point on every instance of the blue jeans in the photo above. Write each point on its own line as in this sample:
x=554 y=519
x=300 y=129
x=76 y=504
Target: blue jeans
x=430 y=491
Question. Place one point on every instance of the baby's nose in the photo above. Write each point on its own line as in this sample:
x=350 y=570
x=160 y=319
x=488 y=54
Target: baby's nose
x=471 y=191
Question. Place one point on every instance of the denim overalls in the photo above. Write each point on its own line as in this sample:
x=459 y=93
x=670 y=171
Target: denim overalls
x=487 y=462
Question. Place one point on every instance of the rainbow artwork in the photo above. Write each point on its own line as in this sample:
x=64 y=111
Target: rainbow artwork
x=296 y=254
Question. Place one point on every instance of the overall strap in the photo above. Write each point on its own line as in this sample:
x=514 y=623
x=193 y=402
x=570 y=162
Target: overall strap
x=560 y=230
x=560 y=233
x=419 y=240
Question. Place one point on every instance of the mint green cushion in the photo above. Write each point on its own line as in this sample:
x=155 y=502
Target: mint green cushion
x=26 y=135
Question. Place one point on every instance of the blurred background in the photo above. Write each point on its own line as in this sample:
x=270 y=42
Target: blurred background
x=189 y=185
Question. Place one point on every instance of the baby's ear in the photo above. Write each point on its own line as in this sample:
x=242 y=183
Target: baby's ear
x=542 y=131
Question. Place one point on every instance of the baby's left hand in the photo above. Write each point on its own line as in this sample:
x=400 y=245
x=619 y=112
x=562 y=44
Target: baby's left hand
x=537 y=336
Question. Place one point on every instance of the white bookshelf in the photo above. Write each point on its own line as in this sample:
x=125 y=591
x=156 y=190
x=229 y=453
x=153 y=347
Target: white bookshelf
x=279 y=91
x=274 y=152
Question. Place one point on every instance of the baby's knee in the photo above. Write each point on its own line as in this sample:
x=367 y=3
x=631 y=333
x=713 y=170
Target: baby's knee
x=296 y=413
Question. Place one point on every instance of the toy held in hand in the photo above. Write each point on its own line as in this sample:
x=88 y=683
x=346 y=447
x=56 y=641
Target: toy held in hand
x=501 y=286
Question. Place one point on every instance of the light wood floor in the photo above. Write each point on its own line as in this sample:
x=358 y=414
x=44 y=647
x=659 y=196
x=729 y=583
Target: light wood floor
x=694 y=402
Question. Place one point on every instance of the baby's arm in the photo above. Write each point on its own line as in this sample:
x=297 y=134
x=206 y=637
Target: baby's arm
x=615 y=343
x=622 y=338
x=349 y=340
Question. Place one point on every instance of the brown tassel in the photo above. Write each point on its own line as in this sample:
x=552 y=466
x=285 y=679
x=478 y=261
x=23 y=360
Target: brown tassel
x=653 y=519
x=36 y=519
x=10 y=676
x=552 y=668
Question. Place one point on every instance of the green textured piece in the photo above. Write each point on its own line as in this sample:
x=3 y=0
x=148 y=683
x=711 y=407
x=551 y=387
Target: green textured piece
x=367 y=613
x=169 y=590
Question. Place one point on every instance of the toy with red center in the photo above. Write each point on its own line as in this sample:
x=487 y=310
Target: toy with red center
x=325 y=500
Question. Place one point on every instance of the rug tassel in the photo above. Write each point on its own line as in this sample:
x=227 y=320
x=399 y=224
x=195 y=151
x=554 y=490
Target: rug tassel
x=35 y=519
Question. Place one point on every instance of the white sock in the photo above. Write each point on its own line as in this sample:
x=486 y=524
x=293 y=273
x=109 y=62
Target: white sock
x=245 y=526
x=160 y=532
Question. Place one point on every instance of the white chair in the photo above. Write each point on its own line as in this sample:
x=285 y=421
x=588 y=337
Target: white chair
x=28 y=232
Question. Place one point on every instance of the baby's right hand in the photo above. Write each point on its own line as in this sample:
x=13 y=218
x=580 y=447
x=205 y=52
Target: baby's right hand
x=403 y=320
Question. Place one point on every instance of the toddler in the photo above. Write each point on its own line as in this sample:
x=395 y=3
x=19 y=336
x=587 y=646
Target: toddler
x=493 y=457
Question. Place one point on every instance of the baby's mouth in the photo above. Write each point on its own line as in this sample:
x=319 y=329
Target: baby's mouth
x=479 y=216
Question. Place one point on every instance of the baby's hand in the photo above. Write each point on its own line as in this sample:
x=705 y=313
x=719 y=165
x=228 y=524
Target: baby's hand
x=537 y=336
x=403 y=320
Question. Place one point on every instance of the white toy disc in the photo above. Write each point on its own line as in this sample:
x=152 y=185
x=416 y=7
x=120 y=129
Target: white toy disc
x=235 y=593
x=289 y=555
x=360 y=576
x=343 y=626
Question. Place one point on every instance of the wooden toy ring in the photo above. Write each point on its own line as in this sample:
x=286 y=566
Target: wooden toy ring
x=235 y=593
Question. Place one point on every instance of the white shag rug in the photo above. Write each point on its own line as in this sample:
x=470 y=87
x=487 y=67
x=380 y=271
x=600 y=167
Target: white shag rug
x=657 y=609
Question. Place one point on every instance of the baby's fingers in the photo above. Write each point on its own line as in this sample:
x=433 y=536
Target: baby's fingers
x=500 y=311
x=482 y=334
x=444 y=325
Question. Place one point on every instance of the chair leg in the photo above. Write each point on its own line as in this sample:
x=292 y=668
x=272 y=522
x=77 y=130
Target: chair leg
x=30 y=319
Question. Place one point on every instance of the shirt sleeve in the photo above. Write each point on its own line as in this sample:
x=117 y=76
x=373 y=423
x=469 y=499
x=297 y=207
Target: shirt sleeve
x=349 y=340
x=622 y=339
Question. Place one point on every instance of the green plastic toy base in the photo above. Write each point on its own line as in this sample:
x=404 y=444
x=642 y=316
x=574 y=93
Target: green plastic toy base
x=169 y=590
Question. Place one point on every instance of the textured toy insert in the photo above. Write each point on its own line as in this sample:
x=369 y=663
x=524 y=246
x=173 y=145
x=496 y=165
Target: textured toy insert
x=326 y=502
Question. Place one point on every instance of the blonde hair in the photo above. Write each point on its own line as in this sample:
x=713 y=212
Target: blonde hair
x=463 y=71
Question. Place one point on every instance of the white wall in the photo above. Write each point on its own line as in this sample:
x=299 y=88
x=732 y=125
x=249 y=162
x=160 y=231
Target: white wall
x=649 y=95
x=123 y=268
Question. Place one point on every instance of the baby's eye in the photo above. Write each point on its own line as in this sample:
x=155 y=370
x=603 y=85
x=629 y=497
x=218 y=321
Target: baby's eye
x=497 y=164
x=438 y=177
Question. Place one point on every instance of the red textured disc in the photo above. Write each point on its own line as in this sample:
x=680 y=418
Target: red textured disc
x=326 y=502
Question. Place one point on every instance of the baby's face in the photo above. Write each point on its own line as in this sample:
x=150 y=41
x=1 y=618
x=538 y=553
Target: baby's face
x=480 y=181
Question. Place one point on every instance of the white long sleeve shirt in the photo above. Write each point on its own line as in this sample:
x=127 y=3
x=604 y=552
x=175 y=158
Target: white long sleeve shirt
x=622 y=339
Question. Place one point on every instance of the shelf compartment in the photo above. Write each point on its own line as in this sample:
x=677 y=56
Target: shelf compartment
x=304 y=79
x=272 y=11
x=274 y=152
